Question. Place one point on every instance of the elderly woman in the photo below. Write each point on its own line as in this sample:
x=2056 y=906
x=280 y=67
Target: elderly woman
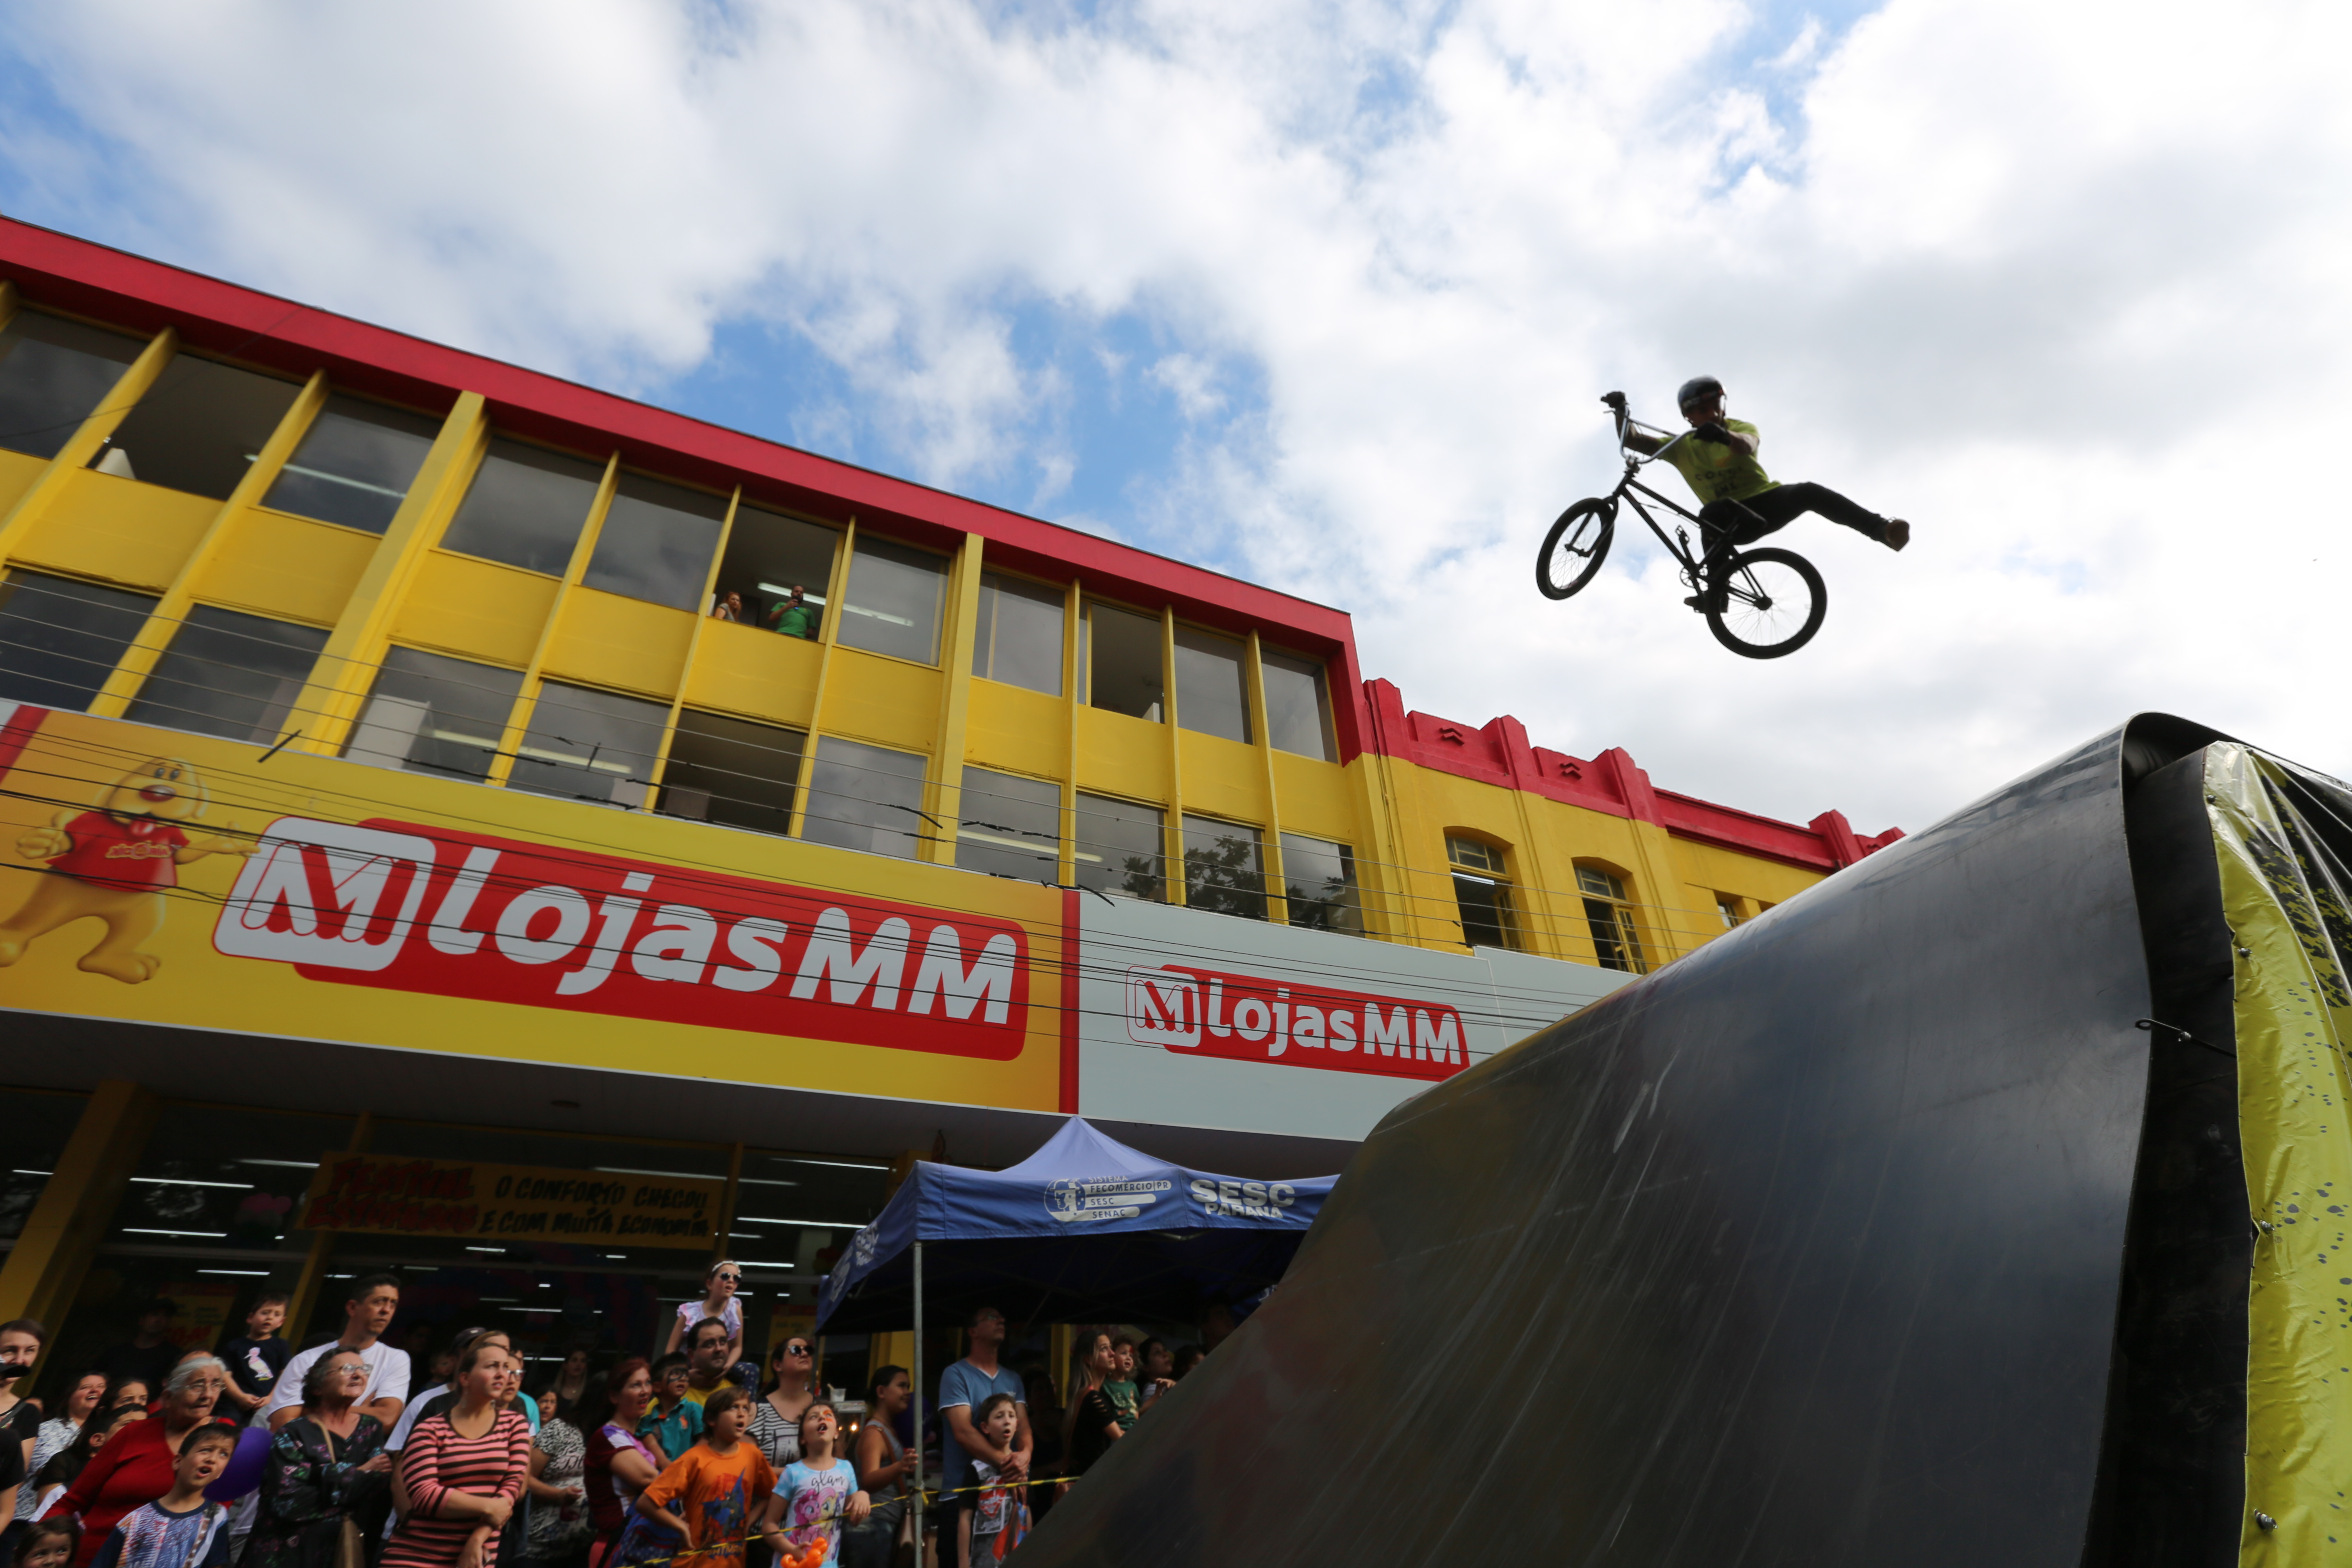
x=135 y=1465
x=461 y=1475
x=54 y=1436
x=322 y=1464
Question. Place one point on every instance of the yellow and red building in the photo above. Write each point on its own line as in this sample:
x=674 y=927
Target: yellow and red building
x=401 y=865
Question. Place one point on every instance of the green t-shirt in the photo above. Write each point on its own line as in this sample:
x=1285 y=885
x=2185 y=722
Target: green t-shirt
x=1721 y=472
x=798 y=621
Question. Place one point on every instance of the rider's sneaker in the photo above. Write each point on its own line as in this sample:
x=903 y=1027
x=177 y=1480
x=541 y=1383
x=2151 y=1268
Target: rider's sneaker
x=1898 y=533
x=1699 y=601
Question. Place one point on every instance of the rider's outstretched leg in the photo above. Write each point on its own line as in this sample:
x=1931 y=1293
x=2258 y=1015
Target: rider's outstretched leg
x=1724 y=527
x=1783 y=503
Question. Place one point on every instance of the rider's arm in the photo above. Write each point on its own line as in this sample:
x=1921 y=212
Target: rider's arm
x=1640 y=443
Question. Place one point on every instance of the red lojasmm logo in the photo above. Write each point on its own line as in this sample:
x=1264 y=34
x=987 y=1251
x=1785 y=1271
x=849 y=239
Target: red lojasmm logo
x=413 y=908
x=1241 y=1017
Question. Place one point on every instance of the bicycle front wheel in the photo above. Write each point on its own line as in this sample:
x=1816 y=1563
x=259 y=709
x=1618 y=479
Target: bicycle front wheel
x=1772 y=605
x=1575 y=548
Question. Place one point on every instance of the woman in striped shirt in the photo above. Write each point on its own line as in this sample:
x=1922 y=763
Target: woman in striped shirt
x=462 y=1473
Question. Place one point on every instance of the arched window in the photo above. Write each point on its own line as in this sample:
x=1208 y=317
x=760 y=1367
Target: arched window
x=1609 y=910
x=1482 y=892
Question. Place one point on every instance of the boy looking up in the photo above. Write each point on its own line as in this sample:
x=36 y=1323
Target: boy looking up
x=179 y=1530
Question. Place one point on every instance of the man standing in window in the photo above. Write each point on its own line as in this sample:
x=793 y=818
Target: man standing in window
x=795 y=617
x=963 y=1387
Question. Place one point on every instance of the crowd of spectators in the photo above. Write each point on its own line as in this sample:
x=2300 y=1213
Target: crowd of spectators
x=336 y=1458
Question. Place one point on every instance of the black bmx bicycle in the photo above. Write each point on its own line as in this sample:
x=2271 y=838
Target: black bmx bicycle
x=1760 y=603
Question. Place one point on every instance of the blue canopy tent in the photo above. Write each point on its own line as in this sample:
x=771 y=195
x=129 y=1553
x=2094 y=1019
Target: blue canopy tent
x=1085 y=1229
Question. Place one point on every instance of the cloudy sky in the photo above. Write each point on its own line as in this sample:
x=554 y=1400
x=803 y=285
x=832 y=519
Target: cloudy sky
x=1324 y=295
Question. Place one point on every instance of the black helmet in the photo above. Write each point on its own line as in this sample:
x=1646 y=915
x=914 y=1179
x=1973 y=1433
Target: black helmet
x=1696 y=387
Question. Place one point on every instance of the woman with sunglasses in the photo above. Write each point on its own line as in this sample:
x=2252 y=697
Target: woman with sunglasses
x=718 y=1301
x=775 y=1428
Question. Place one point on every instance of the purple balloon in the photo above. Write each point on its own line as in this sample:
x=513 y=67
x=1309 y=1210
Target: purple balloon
x=244 y=1467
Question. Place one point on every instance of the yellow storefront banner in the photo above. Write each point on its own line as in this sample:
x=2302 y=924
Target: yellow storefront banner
x=160 y=876
x=463 y=1198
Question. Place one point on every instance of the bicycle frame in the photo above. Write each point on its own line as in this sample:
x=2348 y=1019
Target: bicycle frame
x=1694 y=566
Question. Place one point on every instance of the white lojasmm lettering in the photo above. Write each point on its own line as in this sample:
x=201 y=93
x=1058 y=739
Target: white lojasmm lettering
x=944 y=976
x=1441 y=1042
x=831 y=952
x=1388 y=1033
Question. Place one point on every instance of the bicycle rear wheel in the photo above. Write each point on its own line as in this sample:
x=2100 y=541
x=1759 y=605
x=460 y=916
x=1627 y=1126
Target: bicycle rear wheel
x=1772 y=605
x=1575 y=548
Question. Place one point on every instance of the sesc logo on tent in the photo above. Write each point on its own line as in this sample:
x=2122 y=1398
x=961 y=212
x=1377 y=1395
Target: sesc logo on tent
x=1244 y=1018
x=1075 y=1201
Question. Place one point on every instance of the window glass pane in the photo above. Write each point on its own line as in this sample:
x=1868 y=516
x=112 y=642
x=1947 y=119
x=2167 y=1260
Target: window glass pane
x=1223 y=867
x=1595 y=881
x=232 y=674
x=769 y=555
x=1019 y=639
x=732 y=770
x=1318 y=880
x=1010 y=825
x=1210 y=695
x=866 y=798
x=590 y=745
x=354 y=465
x=199 y=427
x=1485 y=909
x=61 y=640
x=525 y=508
x=1298 y=717
x=200 y=1171
x=1470 y=852
x=52 y=374
x=39 y=1123
x=892 y=603
x=1121 y=658
x=1121 y=848
x=433 y=714
x=656 y=542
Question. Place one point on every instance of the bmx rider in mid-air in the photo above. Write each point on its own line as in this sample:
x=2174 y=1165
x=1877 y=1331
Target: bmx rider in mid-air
x=1739 y=504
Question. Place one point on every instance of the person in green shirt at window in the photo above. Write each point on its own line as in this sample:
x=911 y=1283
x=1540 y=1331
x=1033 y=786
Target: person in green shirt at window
x=795 y=617
x=1739 y=504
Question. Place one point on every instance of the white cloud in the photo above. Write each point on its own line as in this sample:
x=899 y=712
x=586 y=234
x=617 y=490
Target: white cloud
x=2057 y=282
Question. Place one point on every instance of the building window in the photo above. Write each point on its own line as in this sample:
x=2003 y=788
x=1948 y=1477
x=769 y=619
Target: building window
x=1119 y=651
x=891 y=603
x=1121 y=848
x=1318 y=885
x=354 y=465
x=1224 y=867
x=1020 y=634
x=1298 y=709
x=768 y=556
x=199 y=427
x=525 y=508
x=1211 y=695
x=1482 y=894
x=59 y=640
x=866 y=797
x=656 y=542
x=733 y=772
x=1616 y=942
x=52 y=374
x=585 y=744
x=1009 y=825
x=231 y=675
x=433 y=714
x=1727 y=909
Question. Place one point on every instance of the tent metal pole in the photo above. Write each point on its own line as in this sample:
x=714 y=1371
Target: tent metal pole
x=918 y=1404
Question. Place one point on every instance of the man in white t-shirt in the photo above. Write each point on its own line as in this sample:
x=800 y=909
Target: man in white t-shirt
x=367 y=1313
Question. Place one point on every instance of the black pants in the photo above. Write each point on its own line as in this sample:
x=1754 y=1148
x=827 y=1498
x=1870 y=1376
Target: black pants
x=1746 y=521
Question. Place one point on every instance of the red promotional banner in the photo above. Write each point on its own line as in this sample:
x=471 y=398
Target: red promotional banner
x=416 y=908
x=1239 y=1017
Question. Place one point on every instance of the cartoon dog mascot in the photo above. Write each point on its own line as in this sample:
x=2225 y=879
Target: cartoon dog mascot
x=116 y=863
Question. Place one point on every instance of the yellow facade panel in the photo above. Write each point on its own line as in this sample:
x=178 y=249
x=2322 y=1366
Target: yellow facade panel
x=758 y=674
x=1718 y=870
x=1221 y=778
x=118 y=530
x=1123 y=756
x=1319 y=800
x=1018 y=730
x=475 y=609
x=288 y=568
x=606 y=639
x=883 y=700
x=18 y=472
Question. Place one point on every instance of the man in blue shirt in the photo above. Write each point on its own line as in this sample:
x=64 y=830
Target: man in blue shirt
x=963 y=1387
